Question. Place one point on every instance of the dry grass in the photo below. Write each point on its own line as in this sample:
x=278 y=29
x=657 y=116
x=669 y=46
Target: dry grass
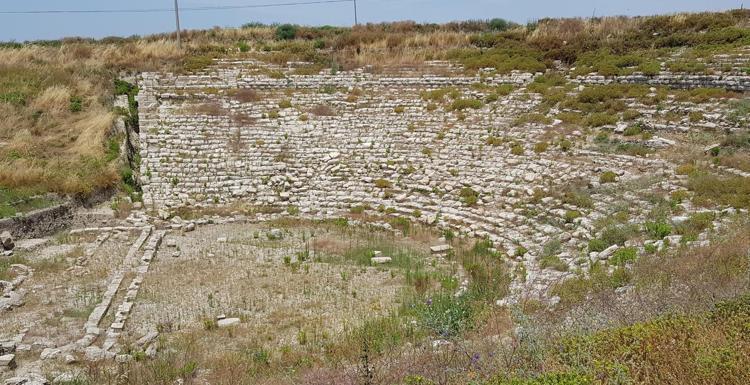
x=49 y=145
x=246 y=95
x=323 y=110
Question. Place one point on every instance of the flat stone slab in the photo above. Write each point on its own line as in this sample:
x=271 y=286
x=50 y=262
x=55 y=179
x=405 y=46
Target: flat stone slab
x=380 y=260
x=440 y=249
x=228 y=322
x=8 y=361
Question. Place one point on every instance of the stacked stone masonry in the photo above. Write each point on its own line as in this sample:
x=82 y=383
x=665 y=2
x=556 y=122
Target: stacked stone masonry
x=381 y=145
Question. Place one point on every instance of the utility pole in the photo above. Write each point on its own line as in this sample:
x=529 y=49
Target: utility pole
x=177 y=19
x=356 y=22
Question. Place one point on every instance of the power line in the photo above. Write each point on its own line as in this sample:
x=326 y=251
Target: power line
x=188 y=9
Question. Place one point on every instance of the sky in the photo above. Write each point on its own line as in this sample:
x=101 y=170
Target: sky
x=15 y=27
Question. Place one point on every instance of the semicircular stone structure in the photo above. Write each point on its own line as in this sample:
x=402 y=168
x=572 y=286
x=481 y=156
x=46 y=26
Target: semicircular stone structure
x=329 y=142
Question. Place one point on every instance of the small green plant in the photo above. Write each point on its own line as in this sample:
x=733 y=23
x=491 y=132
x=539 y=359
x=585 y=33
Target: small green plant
x=76 y=104
x=571 y=216
x=597 y=245
x=608 y=177
x=469 y=196
x=541 y=147
x=494 y=141
x=623 y=256
x=462 y=104
x=210 y=324
x=658 y=229
x=382 y=183
x=517 y=150
x=553 y=262
x=633 y=131
x=284 y=104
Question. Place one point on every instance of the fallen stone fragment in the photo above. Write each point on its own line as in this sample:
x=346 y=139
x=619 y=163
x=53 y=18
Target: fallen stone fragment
x=608 y=252
x=145 y=340
x=228 y=322
x=27 y=379
x=380 y=260
x=8 y=361
x=94 y=353
x=275 y=234
x=50 y=353
x=6 y=240
x=440 y=249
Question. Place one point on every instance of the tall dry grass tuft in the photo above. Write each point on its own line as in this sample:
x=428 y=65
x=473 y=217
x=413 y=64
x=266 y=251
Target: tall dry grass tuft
x=93 y=129
x=54 y=99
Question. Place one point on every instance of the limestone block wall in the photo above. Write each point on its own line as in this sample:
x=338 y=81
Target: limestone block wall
x=740 y=83
x=382 y=146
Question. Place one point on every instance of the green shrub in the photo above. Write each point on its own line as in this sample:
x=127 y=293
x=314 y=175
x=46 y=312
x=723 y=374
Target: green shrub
x=382 y=183
x=658 y=229
x=541 y=147
x=210 y=324
x=695 y=116
x=628 y=115
x=565 y=145
x=576 y=196
x=553 y=262
x=597 y=245
x=444 y=314
x=572 y=215
x=503 y=60
x=608 y=177
x=462 y=104
x=624 y=255
x=76 y=104
x=517 y=150
x=469 y=196
x=599 y=119
x=286 y=32
x=501 y=25
x=633 y=131
x=494 y=141
x=618 y=235
x=695 y=224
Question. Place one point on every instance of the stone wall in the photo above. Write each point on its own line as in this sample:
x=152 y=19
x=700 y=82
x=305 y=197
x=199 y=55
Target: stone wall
x=384 y=147
x=39 y=223
x=730 y=82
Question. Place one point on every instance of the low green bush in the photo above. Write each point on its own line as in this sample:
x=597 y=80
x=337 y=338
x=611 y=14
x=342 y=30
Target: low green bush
x=469 y=196
x=658 y=229
x=608 y=177
x=623 y=256
x=462 y=104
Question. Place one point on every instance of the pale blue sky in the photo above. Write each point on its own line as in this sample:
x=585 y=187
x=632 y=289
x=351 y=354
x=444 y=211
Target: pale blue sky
x=31 y=27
